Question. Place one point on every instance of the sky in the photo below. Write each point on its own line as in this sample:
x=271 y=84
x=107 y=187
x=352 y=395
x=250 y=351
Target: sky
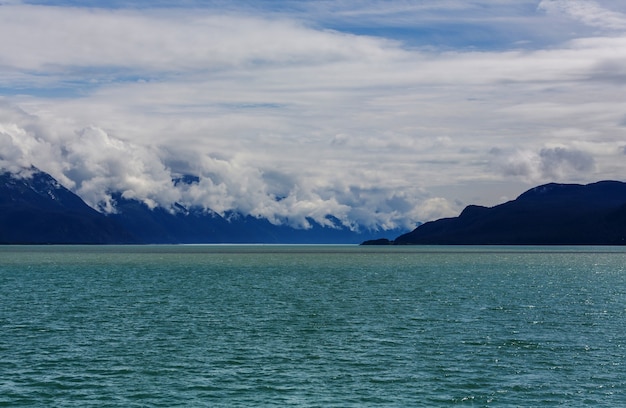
x=381 y=113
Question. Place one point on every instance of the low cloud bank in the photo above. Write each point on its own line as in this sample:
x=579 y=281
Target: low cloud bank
x=95 y=164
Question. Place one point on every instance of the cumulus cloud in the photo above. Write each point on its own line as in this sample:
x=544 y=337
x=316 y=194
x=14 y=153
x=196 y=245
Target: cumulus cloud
x=99 y=165
x=25 y=141
x=435 y=208
x=549 y=163
x=559 y=161
x=88 y=161
x=517 y=163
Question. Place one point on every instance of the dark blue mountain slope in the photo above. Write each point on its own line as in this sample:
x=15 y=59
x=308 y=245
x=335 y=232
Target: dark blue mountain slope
x=551 y=214
x=196 y=225
x=38 y=210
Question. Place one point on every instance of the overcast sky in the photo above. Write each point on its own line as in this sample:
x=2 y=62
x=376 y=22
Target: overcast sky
x=382 y=113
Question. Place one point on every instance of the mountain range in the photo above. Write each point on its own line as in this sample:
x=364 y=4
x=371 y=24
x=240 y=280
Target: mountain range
x=550 y=214
x=36 y=209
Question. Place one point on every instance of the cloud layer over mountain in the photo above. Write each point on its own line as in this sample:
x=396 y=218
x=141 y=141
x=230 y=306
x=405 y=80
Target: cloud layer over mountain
x=382 y=114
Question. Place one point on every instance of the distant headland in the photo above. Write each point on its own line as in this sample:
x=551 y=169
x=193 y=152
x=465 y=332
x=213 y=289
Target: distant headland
x=550 y=214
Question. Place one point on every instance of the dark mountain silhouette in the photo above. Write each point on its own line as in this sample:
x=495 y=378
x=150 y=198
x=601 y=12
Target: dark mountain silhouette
x=38 y=210
x=551 y=214
x=198 y=225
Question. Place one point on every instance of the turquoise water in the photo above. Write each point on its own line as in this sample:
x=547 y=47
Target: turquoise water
x=327 y=326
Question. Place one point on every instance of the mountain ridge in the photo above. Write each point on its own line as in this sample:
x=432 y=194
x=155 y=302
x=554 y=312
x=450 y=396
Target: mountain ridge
x=36 y=209
x=550 y=214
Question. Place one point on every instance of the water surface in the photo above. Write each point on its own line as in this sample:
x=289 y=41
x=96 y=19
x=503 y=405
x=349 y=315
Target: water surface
x=326 y=326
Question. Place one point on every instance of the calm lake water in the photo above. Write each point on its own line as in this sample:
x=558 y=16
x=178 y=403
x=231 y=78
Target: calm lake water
x=327 y=326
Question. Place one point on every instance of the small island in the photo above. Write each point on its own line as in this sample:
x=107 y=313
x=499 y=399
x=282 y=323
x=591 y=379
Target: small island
x=379 y=241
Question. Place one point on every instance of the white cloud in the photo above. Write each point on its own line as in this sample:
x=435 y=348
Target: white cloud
x=24 y=142
x=555 y=162
x=549 y=163
x=588 y=12
x=435 y=208
x=100 y=164
x=163 y=42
